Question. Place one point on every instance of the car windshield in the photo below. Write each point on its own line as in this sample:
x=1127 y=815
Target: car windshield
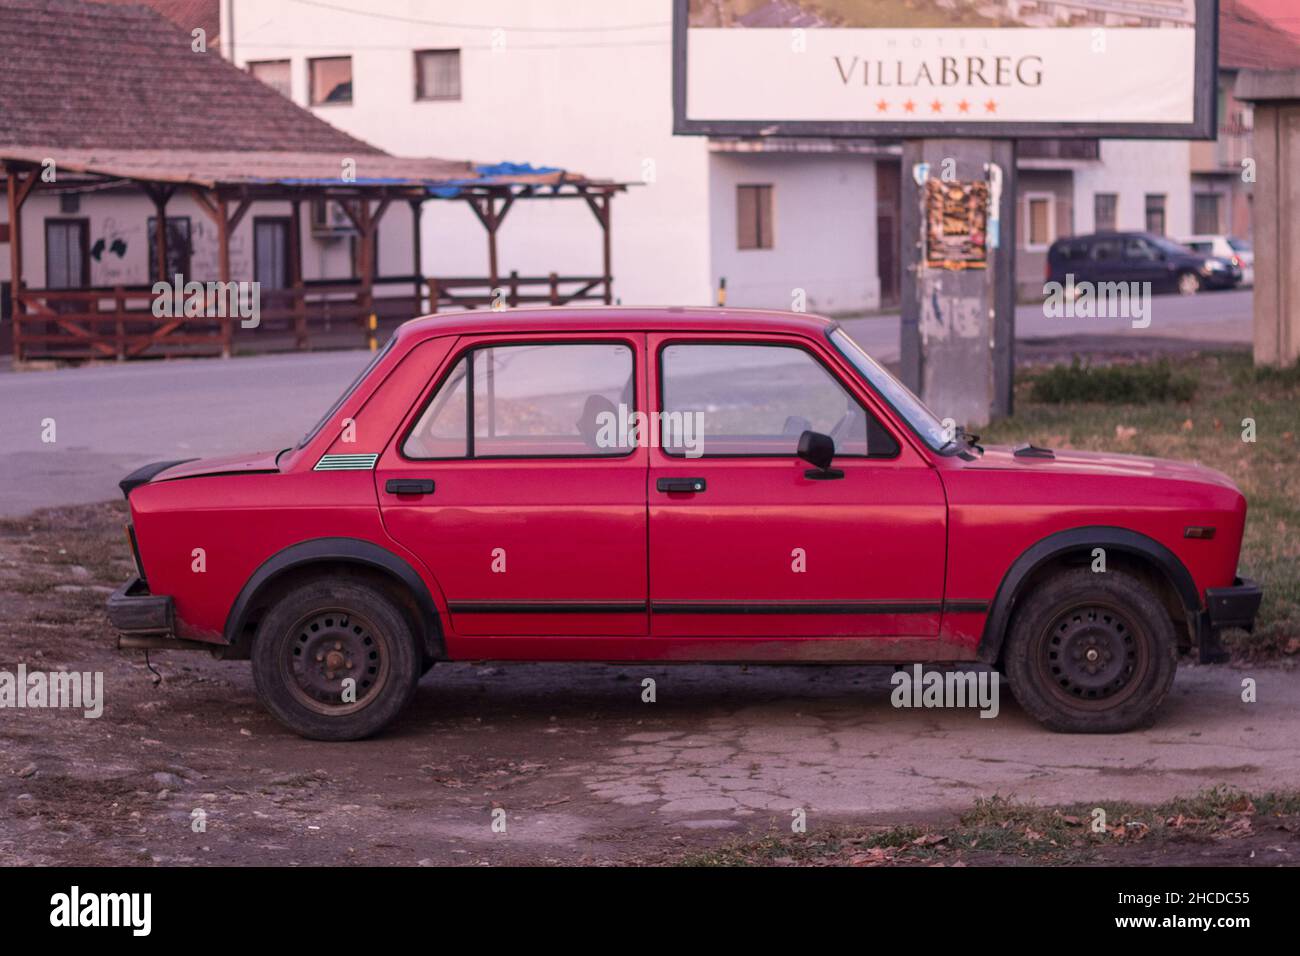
x=1239 y=245
x=1167 y=245
x=315 y=429
x=922 y=421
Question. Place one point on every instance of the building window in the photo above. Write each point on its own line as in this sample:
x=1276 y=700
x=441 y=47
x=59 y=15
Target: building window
x=178 y=248
x=274 y=73
x=69 y=203
x=1040 y=220
x=1155 y=207
x=331 y=79
x=1105 y=212
x=437 y=74
x=754 y=217
x=1207 y=214
x=67 y=256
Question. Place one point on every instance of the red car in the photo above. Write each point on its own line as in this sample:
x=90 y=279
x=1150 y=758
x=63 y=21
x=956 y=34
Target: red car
x=672 y=485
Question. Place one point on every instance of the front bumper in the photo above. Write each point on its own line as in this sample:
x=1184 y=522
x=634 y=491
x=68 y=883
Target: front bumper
x=134 y=611
x=1234 y=606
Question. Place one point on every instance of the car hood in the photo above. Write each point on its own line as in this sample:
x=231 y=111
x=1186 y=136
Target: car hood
x=1100 y=463
x=261 y=461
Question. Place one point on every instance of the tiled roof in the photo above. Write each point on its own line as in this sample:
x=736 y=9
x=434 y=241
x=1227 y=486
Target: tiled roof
x=1248 y=41
x=77 y=75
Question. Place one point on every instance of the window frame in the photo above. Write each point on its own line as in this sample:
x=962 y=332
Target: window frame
x=1113 y=198
x=421 y=96
x=1050 y=199
x=151 y=249
x=759 y=191
x=311 y=81
x=469 y=456
x=657 y=400
x=282 y=61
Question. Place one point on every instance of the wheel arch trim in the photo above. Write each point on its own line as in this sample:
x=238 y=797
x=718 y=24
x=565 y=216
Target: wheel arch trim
x=355 y=551
x=1072 y=541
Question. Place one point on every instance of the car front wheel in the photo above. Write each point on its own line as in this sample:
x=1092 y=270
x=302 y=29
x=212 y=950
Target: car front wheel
x=334 y=659
x=1091 y=652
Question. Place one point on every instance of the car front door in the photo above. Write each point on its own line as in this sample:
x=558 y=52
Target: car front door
x=515 y=484
x=746 y=541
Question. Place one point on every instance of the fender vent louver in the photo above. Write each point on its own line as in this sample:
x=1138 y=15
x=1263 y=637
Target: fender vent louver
x=346 y=463
x=1032 y=451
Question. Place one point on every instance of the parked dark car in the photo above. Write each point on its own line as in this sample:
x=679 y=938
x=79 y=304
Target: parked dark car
x=1139 y=257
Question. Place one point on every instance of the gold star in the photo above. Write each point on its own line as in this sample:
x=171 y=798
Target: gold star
x=909 y=107
x=936 y=107
x=991 y=107
x=963 y=107
x=882 y=106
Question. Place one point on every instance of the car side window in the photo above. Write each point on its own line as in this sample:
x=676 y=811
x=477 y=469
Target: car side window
x=739 y=399
x=546 y=400
x=1139 y=249
x=1106 y=250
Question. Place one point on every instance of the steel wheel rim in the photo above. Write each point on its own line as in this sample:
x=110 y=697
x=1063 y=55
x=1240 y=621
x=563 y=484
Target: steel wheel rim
x=327 y=646
x=1092 y=655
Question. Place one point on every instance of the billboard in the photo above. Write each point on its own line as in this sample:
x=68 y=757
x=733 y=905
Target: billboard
x=927 y=68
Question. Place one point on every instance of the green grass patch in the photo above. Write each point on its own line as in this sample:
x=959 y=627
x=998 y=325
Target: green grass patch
x=1111 y=384
x=999 y=827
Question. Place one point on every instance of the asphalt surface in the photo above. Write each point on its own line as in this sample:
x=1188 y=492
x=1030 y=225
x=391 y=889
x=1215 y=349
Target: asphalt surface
x=109 y=419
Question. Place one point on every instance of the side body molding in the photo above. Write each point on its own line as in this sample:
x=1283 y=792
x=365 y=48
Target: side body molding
x=348 y=551
x=1080 y=540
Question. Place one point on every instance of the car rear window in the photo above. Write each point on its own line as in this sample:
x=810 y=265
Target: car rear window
x=543 y=400
x=338 y=403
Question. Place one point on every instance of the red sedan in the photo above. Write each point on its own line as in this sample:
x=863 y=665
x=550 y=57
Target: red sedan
x=672 y=485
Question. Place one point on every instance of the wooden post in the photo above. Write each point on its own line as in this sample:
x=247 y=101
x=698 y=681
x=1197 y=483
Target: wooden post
x=417 y=259
x=555 y=289
x=159 y=195
x=606 y=205
x=17 y=190
x=600 y=208
x=223 y=269
x=493 y=276
x=295 y=275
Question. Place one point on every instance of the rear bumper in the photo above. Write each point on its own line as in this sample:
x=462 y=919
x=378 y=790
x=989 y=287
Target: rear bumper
x=132 y=610
x=1233 y=606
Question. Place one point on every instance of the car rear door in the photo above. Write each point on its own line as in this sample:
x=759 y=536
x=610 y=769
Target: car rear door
x=513 y=482
x=743 y=543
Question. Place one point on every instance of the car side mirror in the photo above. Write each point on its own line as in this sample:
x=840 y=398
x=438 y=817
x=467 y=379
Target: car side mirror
x=819 y=451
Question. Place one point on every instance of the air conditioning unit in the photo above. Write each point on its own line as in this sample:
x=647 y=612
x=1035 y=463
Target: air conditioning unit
x=329 y=220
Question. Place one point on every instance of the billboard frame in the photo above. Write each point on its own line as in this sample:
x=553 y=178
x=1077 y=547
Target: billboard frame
x=1204 y=123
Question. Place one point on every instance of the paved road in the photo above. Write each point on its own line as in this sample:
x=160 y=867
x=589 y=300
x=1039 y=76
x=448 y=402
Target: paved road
x=112 y=418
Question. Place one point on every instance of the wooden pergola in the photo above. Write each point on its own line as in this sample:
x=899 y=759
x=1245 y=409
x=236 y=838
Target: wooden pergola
x=119 y=323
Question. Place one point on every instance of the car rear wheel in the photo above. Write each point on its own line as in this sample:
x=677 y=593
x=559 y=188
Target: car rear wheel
x=1091 y=652
x=1189 y=283
x=334 y=659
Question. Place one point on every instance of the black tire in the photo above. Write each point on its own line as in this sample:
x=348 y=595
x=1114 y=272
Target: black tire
x=319 y=634
x=1091 y=652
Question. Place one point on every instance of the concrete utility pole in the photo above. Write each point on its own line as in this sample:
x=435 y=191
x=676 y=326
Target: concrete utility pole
x=958 y=308
x=1276 y=211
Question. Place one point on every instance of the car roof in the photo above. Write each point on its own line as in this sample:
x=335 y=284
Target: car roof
x=615 y=318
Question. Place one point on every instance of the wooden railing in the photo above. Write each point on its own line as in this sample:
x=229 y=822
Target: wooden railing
x=514 y=289
x=116 y=323
x=119 y=322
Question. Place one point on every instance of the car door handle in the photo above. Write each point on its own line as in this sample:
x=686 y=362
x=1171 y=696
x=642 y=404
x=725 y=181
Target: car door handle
x=688 y=485
x=409 y=486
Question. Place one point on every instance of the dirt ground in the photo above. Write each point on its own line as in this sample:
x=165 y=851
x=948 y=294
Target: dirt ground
x=584 y=770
